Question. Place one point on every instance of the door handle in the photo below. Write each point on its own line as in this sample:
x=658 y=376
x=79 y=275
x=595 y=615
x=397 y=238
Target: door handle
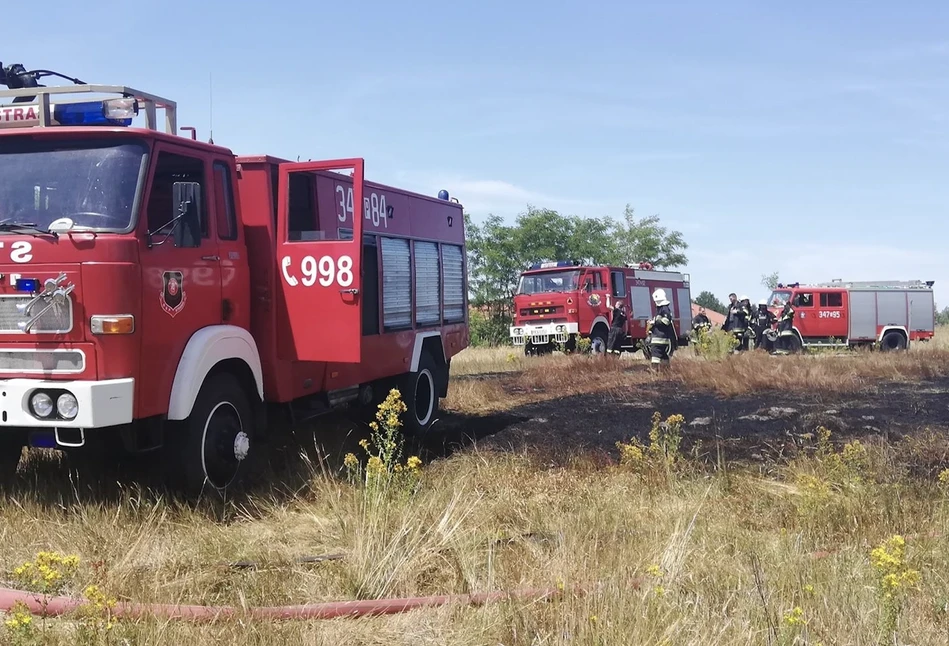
x=212 y=258
x=351 y=290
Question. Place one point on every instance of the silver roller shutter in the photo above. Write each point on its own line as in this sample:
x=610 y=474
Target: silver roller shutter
x=396 y=284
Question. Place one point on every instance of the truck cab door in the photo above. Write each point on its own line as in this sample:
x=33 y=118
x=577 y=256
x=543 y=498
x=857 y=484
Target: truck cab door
x=320 y=278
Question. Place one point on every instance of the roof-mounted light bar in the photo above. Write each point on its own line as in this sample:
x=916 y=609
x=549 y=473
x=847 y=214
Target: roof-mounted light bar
x=116 y=111
x=111 y=112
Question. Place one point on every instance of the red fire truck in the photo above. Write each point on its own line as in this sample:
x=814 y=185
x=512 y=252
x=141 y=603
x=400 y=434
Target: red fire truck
x=161 y=291
x=884 y=314
x=556 y=302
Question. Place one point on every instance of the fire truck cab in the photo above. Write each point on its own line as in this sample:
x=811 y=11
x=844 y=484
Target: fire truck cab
x=888 y=315
x=160 y=293
x=559 y=301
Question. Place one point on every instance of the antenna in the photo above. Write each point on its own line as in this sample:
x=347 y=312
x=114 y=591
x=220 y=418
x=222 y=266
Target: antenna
x=210 y=108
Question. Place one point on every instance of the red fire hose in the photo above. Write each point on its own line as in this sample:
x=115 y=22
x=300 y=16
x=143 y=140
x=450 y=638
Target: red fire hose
x=56 y=606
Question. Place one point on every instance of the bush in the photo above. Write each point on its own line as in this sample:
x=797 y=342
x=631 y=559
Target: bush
x=489 y=331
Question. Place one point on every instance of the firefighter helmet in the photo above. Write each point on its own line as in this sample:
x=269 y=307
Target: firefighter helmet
x=659 y=297
x=743 y=298
x=763 y=301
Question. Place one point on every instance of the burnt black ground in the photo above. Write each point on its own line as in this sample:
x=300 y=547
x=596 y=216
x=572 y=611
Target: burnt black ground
x=753 y=429
x=743 y=428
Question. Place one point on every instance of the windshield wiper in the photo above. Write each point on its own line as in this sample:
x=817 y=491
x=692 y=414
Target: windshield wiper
x=28 y=228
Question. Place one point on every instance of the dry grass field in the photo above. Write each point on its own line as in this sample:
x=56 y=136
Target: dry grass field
x=741 y=500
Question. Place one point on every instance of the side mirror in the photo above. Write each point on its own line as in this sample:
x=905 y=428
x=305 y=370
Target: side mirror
x=186 y=202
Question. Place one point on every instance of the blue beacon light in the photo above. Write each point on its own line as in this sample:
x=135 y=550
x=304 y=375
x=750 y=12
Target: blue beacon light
x=27 y=284
x=94 y=113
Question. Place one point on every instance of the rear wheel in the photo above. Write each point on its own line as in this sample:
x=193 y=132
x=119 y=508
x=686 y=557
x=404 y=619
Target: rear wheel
x=420 y=395
x=893 y=340
x=213 y=445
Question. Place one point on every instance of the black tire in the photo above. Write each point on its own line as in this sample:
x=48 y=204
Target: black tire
x=598 y=341
x=795 y=343
x=211 y=449
x=420 y=394
x=11 y=451
x=893 y=340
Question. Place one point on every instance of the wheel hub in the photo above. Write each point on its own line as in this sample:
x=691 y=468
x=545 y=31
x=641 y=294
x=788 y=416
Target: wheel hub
x=241 y=446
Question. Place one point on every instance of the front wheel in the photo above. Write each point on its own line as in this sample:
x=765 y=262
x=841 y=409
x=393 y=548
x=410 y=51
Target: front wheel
x=212 y=447
x=420 y=395
x=598 y=341
x=11 y=450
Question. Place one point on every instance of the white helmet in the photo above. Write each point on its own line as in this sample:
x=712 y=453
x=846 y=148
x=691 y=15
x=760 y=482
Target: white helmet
x=743 y=298
x=659 y=297
x=763 y=301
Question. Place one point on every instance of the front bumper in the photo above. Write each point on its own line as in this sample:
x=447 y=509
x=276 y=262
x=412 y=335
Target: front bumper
x=101 y=403
x=545 y=333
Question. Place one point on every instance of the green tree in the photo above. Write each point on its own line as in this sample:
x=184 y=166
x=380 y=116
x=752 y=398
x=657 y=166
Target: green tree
x=645 y=240
x=942 y=317
x=709 y=301
x=770 y=280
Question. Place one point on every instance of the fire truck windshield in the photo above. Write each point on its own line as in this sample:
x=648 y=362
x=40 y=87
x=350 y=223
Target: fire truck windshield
x=778 y=298
x=93 y=183
x=554 y=281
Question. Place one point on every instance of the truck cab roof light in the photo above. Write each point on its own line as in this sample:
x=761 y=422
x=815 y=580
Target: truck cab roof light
x=559 y=263
x=110 y=112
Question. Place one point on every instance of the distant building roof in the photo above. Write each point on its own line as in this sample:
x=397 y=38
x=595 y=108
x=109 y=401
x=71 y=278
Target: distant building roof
x=714 y=317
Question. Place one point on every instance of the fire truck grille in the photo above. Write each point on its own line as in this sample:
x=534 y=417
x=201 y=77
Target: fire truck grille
x=541 y=311
x=56 y=319
x=44 y=361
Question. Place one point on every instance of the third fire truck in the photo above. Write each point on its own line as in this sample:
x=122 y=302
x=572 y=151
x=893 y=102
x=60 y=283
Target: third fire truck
x=160 y=293
x=557 y=302
x=884 y=314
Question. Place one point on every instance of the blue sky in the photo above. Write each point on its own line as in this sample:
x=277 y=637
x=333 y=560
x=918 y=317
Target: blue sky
x=808 y=139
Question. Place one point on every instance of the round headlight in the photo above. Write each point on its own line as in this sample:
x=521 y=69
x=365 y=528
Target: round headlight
x=42 y=404
x=67 y=406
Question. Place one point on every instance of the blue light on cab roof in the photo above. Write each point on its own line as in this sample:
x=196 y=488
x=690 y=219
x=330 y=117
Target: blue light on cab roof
x=90 y=113
x=548 y=265
x=27 y=284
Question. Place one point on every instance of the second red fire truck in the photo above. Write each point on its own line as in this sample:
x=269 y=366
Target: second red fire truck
x=558 y=302
x=164 y=294
x=888 y=315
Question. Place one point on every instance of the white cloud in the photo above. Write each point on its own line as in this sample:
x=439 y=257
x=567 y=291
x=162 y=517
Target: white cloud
x=486 y=196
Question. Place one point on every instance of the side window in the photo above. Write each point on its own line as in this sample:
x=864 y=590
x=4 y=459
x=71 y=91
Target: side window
x=831 y=299
x=618 y=284
x=225 y=216
x=302 y=218
x=594 y=280
x=173 y=168
x=803 y=299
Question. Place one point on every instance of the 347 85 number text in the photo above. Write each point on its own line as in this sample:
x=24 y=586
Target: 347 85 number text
x=374 y=206
x=824 y=314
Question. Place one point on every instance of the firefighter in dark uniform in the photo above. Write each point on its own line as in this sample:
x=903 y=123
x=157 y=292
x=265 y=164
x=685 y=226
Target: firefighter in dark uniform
x=732 y=304
x=786 y=330
x=614 y=342
x=737 y=321
x=700 y=322
x=762 y=323
x=663 y=336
